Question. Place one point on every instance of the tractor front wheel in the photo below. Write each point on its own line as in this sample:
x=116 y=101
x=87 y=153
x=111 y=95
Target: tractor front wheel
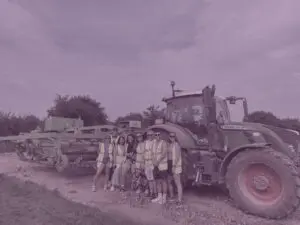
x=264 y=182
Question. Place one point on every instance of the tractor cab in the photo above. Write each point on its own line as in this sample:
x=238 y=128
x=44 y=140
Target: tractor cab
x=196 y=111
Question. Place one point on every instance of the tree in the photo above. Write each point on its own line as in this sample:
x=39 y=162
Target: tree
x=263 y=117
x=81 y=106
x=269 y=118
x=152 y=113
x=11 y=124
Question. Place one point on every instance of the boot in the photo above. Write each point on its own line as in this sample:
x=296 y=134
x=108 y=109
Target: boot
x=163 y=199
x=159 y=197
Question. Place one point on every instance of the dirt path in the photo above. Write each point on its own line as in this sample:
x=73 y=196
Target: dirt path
x=202 y=207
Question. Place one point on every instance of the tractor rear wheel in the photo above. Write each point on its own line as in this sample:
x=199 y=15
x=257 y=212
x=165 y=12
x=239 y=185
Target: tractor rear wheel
x=264 y=182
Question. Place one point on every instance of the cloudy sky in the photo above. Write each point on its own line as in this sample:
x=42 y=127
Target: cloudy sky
x=125 y=52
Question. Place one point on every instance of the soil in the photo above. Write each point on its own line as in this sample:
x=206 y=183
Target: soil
x=68 y=199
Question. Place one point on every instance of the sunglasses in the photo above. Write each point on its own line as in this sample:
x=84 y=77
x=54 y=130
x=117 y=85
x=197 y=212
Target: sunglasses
x=157 y=135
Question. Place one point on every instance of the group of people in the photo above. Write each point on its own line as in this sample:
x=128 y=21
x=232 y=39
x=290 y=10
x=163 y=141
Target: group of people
x=154 y=165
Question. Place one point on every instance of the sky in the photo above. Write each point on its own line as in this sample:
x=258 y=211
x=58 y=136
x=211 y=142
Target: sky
x=125 y=53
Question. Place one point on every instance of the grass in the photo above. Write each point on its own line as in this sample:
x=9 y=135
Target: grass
x=26 y=203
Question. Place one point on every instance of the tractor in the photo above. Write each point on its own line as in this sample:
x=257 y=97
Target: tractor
x=256 y=163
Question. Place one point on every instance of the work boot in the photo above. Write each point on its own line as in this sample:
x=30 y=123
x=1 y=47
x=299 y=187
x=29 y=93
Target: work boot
x=122 y=188
x=159 y=197
x=112 y=188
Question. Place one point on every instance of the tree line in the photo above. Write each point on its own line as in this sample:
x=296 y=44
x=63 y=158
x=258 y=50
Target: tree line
x=93 y=113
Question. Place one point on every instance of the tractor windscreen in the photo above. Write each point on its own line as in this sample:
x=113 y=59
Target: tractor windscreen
x=187 y=111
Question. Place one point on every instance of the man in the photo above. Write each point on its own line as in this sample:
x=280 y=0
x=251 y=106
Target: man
x=160 y=168
x=148 y=157
x=176 y=162
x=104 y=162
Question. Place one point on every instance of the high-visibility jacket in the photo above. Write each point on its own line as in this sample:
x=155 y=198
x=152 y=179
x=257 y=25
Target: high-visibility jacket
x=161 y=154
x=176 y=158
x=101 y=153
x=148 y=153
x=120 y=154
x=140 y=159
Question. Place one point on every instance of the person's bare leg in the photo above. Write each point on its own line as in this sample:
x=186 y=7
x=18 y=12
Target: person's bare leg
x=155 y=188
x=177 y=179
x=97 y=175
x=159 y=190
x=107 y=175
x=170 y=187
x=124 y=172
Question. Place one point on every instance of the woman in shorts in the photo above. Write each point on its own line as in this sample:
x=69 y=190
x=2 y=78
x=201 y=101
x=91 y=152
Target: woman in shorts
x=104 y=162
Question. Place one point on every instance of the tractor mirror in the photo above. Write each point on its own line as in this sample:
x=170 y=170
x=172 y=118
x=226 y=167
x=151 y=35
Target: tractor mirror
x=232 y=100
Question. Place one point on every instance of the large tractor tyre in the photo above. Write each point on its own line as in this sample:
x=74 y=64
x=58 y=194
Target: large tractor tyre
x=62 y=163
x=186 y=182
x=264 y=182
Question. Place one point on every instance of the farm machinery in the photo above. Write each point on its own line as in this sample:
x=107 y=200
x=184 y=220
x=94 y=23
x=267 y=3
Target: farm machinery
x=61 y=144
x=256 y=163
x=65 y=143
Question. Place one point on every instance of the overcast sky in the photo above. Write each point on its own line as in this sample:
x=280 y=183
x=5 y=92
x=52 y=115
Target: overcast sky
x=124 y=52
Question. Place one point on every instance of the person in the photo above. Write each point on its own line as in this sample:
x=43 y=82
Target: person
x=114 y=136
x=139 y=181
x=104 y=162
x=176 y=162
x=129 y=163
x=148 y=162
x=119 y=159
x=160 y=169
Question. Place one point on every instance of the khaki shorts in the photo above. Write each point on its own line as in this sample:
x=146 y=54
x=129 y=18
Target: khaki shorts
x=149 y=173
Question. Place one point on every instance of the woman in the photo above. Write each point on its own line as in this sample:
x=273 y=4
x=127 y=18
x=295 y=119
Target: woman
x=127 y=166
x=175 y=156
x=104 y=162
x=119 y=159
x=139 y=182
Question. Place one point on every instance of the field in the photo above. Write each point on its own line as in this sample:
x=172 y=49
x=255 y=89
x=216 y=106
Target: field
x=34 y=194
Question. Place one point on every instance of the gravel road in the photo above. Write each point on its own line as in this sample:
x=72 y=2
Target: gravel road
x=202 y=206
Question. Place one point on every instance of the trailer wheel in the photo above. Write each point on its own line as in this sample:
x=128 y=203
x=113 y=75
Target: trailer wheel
x=264 y=182
x=62 y=163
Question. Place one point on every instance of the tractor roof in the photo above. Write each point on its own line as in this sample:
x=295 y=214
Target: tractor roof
x=186 y=94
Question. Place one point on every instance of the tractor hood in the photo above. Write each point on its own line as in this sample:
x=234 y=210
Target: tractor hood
x=282 y=139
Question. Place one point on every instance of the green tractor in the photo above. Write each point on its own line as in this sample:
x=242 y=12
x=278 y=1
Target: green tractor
x=256 y=163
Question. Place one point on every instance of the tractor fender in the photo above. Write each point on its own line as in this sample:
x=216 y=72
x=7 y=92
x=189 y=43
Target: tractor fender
x=233 y=153
x=184 y=138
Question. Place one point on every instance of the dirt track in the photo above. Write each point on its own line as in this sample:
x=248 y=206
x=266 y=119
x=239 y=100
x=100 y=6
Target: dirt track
x=202 y=207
